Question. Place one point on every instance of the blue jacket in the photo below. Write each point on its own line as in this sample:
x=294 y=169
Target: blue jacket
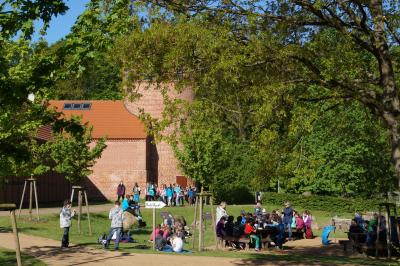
x=125 y=205
x=287 y=215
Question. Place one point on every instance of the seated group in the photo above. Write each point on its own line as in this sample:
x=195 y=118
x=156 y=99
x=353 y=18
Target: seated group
x=262 y=226
x=364 y=231
x=171 y=234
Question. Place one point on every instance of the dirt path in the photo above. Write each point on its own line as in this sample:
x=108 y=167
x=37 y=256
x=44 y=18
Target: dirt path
x=49 y=252
x=94 y=208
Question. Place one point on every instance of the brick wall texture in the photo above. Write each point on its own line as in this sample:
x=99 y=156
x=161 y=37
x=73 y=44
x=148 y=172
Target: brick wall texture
x=151 y=100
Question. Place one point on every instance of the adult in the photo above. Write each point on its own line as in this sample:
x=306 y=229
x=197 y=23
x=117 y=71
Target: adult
x=136 y=192
x=121 y=191
x=221 y=212
x=287 y=218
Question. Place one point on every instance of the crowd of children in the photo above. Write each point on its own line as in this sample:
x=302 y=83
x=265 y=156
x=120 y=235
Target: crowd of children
x=172 y=194
x=171 y=234
x=258 y=224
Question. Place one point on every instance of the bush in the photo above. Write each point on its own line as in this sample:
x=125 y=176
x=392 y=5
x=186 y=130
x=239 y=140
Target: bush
x=322 y=203
x=233 y=194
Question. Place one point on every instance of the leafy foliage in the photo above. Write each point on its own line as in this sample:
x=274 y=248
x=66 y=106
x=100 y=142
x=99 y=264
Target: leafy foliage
x=74 y=154
x=323 y=203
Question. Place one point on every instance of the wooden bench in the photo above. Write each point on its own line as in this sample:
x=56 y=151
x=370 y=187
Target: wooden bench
x=246 y=240
x=345 y=244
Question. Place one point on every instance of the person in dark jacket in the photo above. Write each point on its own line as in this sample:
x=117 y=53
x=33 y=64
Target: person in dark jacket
x=121 y=191
x=287 y=219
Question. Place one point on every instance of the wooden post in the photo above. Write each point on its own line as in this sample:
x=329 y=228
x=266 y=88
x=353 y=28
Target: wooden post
x=213 y=222
x=11 y=208
x=36 y=199
x=377 y=233
x=30 y=200
x=201 y=222
x=388 y=231
x=22 y=199
x=80 y=210
x=195 y=220
x=87 y=210
x=16 y=239
x=72 y=195
x=154 y=228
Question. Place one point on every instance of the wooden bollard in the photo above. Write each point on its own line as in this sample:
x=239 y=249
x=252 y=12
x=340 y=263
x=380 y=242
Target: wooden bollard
x=11 y=207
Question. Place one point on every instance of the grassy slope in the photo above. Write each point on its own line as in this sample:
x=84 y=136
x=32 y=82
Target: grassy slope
x=49 y=228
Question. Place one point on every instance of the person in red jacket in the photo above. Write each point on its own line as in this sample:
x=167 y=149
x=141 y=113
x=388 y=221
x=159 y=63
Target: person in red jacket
x=251 y=232
x=121 y=190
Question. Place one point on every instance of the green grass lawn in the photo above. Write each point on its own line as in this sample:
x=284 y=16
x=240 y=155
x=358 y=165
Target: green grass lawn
x=49 y=227
x=7 y=258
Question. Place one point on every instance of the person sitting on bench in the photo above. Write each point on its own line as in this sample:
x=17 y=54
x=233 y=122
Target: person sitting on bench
x=251 y=232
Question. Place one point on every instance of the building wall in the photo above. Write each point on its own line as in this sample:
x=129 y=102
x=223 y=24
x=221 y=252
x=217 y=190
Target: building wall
x=122 y=160
x=151 y=100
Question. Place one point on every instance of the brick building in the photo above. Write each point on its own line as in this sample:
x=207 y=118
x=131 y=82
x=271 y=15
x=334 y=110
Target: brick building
x=130 y=155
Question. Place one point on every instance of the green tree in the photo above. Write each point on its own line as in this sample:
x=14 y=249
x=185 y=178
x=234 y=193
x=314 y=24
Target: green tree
x=361 y=30
x=74 y=152
x=23 y=70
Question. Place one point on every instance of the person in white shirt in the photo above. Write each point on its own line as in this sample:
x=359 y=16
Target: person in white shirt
x=221 y=212
x=177 y=244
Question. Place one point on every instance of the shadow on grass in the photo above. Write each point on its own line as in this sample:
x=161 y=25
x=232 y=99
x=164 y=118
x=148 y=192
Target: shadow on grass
x=7 y=258
x=71 y=256
x=261 y=259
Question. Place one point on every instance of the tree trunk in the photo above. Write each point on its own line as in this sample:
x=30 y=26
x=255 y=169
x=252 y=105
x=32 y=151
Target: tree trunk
x=393 y=127
x=390 y=97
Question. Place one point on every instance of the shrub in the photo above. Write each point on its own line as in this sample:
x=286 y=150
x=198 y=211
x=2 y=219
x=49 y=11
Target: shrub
x=322 y=203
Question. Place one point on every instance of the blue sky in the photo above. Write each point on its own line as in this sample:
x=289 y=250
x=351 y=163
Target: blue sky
x=61 y=25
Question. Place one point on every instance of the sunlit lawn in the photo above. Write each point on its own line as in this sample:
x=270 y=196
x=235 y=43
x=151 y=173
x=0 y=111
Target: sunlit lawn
x=49 y=227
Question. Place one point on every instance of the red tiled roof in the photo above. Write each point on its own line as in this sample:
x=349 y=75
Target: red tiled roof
x=108 y=118
x=44 y=132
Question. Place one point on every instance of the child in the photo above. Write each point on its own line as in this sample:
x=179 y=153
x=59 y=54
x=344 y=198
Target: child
x=307 y=218
x=115 y=216
x=177 y=244
x=250 y=231
x=65 y=222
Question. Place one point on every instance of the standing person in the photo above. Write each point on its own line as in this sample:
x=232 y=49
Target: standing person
x=115 y=216
x=136 y=193
x=65 y=222
x=221 y=212
x=170 y=194
x=163 y=194
x=307 y=218
x=190 y=196
x=121 y=190
x=287 y=218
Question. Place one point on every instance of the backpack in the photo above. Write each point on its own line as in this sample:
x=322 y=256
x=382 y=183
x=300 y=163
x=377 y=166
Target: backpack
x=102 y=240
x=309 y=232
x=160 y=243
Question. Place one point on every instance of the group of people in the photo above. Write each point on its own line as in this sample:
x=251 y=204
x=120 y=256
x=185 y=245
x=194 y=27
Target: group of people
x=254 y=225
x=366 y=231
x=171 y=195
x=170 y=235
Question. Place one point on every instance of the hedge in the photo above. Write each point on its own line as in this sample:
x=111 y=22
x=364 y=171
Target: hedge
x=322 y=203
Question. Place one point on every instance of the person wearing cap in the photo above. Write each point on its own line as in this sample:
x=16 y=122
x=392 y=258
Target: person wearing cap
x=287 y=219
x=258 y=209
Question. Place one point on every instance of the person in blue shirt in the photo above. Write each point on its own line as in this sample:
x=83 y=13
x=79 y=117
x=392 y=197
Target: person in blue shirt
x=170 y=194
x=287 y=219
x=177 y=190
x=125 y=203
